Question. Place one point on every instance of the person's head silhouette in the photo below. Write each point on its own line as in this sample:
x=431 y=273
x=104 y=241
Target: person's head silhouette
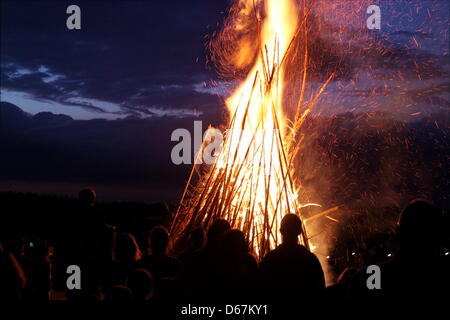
x=216 y=230
x=197 y=237
x=126 y=248
x=159 y=240
x=420 y=226
x=291 y=228
x=140 y=282
x=119 y=294
x=87 y=197
x=234 y=242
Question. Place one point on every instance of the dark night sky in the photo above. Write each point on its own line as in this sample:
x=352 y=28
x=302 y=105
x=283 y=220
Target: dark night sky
x=136 y=71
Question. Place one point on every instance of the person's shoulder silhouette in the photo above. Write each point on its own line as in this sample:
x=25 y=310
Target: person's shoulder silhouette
x=235 y=248
x=12 y=278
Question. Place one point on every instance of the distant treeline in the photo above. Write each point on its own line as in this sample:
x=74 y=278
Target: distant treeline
x=47 y=216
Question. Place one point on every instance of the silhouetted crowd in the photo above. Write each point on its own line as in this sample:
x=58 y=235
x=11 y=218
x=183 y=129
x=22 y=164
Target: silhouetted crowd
x=217 y=264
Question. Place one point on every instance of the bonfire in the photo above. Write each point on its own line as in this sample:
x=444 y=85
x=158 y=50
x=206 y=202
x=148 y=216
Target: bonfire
x=252 y=181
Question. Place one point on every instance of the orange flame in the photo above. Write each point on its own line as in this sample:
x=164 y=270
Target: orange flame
x=251 y=182
x=257 y=129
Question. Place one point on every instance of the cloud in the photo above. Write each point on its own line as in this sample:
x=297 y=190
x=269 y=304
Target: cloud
x=148 y=58
x=134 y=153
x=130 y=158
x=122 y=50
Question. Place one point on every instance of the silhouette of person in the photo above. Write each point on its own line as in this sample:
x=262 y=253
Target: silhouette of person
x=158 y=263
x=140 y=282
x=197 y=239
x=203 y=273
x=290 y=270
x=87 y=197
x=418 y=270
x=215 y=232
x=37 y=270
x=90 y=242
x=126 y=255
x=239 y=266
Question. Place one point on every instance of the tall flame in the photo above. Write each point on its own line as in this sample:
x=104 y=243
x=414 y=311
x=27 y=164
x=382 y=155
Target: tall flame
x=250 y=183
x=258 y=129
x=278 y=29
